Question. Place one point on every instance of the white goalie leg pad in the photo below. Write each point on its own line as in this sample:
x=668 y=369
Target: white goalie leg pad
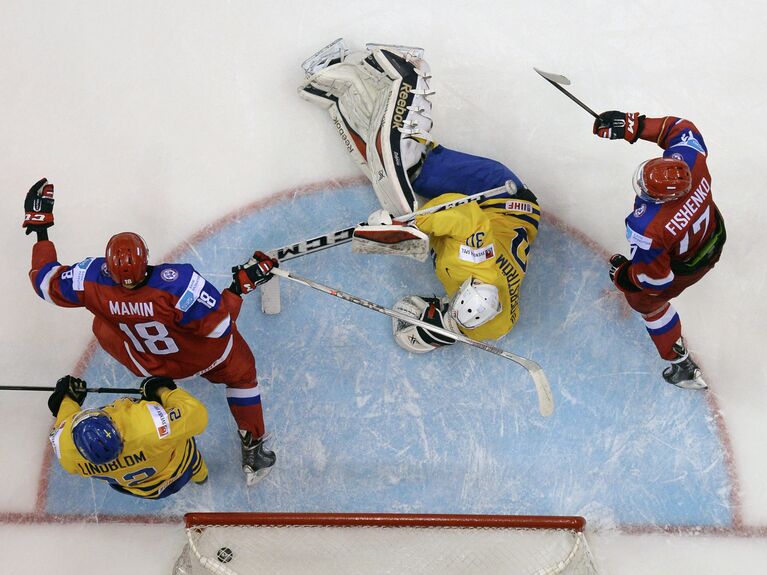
x=393 y=239
x=348 y=93
x=400 y=127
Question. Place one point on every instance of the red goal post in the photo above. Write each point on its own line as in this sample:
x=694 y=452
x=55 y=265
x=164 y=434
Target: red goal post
x=368 y=543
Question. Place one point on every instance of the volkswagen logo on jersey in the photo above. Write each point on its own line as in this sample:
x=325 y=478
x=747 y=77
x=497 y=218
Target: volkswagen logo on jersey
x=169 y=274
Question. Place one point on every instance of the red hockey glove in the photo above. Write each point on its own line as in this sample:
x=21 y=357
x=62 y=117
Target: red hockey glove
x=616 y=125
x=256 y=271
x=67 y=386
x=38 y=207
x=619 y=267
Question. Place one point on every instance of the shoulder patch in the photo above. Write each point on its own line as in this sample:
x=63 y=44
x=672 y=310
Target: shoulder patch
x=688 y=140
x=160 y=419
x=191 y=293
x=78 y=274
x=518 y=206
x=640 y=210
x=476 y=255
x=169 y=274
x=636 y=239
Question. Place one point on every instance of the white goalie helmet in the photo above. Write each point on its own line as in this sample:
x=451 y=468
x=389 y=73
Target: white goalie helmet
x=475 y=303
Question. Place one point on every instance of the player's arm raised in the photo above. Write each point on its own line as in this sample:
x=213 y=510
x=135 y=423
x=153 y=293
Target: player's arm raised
x=188 y=416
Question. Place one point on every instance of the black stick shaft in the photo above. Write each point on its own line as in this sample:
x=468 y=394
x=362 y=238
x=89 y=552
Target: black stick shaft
x=130 y=390
x=573 y=98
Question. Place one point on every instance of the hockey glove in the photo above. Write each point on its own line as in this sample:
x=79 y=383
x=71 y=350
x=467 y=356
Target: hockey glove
x=619 y=267
x=38 y=208
x=256 y=271
x=616 y=125
x=150 y=387
x=67 y=386
x=435 y=315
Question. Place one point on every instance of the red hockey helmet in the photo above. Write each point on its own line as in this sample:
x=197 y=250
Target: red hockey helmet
x=662 y=180
x=127 y=257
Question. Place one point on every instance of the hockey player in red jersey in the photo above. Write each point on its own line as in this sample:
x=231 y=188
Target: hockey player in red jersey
x=676 y=232
x=160 y=320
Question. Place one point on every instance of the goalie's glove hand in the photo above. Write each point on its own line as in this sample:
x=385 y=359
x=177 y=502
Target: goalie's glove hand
x=619 y=265
x=151 y=386
x=256 y=271
x=380 y=218
x=38 y=207
x=436 y=315
x=616 y=125
x=67 y=386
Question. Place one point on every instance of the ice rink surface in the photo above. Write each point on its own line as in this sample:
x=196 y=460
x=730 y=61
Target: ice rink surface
x=180 y=121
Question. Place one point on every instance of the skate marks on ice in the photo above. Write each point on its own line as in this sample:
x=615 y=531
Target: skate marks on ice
x=360 y=425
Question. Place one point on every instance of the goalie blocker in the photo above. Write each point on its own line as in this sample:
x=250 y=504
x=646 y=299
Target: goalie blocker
x=378 y=102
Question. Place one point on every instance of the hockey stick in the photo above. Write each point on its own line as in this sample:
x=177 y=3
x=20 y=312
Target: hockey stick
x=558 y=81
x=542 y=388
x=88 y=390
x=338 y=237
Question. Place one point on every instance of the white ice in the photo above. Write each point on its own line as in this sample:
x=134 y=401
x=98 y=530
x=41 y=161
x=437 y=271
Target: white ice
x=164 y=116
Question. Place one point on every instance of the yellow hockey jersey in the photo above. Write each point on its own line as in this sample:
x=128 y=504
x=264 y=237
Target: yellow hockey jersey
x=158 y=441
x=489 y=241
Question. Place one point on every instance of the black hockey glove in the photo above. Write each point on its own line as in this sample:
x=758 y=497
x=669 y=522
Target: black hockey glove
x=150 y=387
x=67 y=386
x=619 y=125
x=619 y=267
x=38 y=209
x=256 y=271
x=434 y=315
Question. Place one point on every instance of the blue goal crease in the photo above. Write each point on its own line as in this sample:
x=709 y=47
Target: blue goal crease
x=359 y=425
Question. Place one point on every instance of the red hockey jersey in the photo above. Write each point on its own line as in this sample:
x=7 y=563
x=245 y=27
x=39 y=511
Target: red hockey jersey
x=177 y=324
x=668 y=236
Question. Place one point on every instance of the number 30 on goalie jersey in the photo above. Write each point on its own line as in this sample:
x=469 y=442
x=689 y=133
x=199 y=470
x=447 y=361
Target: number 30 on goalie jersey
x=489 y=241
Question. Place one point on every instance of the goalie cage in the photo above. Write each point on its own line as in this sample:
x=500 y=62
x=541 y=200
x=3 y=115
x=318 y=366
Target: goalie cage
x=369 y=544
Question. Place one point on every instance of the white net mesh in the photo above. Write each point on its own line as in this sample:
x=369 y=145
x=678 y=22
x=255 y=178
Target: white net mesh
x=374 y=550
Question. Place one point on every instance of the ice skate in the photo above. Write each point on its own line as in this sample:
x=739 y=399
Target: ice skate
x=684 y=372
x=257 y=460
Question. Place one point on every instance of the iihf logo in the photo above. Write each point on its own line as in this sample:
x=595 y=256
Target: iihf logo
x=169 y=274
x=640 y=210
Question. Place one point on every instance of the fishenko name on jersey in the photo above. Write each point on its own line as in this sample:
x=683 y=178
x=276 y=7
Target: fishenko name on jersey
x=683 y=216
x=142 y=308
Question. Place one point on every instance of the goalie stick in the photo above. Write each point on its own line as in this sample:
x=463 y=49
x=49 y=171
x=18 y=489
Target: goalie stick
x=88 y=390
x=557 y=80
x=338 y=237
x=542 y=388
x=270 y=291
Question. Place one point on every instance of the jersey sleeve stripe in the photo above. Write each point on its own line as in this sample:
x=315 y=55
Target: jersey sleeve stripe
x=221 y=329
x=44 y=289
x=653 y=283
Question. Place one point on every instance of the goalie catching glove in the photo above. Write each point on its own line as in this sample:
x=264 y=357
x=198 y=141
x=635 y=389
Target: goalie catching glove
x=38 y=207
x=414 y=338
x=256 y=271
x=382 y=235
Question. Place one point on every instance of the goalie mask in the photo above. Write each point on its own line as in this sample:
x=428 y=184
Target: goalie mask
x=96 y=437
x=474 y=304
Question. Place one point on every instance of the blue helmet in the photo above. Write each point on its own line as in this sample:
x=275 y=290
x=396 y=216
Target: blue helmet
x=96 y=437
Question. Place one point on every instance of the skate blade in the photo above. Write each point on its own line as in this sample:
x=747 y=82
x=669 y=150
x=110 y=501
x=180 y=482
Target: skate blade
x=695 y=384
x=254 y=477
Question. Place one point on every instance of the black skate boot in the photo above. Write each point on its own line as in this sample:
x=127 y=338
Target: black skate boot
x=257 y=460
x=684 y=372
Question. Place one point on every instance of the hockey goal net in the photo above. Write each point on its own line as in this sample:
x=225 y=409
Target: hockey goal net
x=367 y=544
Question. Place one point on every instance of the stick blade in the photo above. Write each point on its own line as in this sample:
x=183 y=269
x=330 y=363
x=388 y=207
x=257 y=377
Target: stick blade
x=543 y=389
x=556 y=78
